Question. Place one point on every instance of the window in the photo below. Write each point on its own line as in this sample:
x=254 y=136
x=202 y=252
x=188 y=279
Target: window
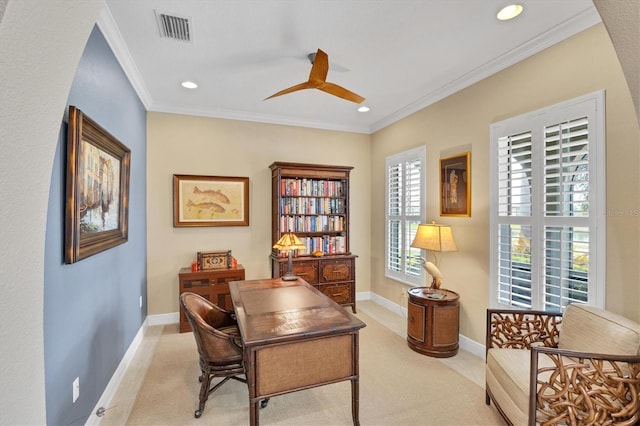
x=547 y=207
x=405 y=211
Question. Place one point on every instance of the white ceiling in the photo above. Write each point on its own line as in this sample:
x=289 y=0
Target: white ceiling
x=401 y=55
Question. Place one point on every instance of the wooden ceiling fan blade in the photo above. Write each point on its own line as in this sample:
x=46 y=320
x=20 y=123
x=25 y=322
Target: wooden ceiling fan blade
x=318 y=80
x=332 y=65
x=320 y=67
x=341 y=92
x=301 y=86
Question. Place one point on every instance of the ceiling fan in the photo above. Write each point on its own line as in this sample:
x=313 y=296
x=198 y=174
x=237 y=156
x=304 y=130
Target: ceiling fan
x=318 y=80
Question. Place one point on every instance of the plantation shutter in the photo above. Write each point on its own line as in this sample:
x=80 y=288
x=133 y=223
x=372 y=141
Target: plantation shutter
x=547 y=186
x=394 y=217
x=566 y=194
x=405 y=210
x=514 y=156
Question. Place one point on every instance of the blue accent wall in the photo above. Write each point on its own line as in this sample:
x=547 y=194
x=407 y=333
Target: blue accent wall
x=91 y=307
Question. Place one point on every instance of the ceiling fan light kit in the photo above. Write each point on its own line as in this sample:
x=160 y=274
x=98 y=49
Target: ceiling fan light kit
x=318 y=80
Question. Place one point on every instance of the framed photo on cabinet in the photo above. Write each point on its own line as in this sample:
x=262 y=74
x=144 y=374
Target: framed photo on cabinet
x=455 y=185
x=210 y=200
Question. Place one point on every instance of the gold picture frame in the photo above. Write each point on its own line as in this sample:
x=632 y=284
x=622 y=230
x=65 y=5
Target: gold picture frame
x=455 y=185
x=214 y=260
x=97 y=189
x=210 y=200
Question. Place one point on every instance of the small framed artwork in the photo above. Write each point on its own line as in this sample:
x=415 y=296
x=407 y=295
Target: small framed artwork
x=455 y=185
x=214 y=259
x=97 y=189
x=210 y=201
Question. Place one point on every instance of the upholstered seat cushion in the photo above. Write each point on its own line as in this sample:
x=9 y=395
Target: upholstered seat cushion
x=589 y=329
x=507 y=376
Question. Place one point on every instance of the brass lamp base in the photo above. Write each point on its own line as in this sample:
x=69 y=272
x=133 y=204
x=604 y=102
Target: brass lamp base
x=289 y=277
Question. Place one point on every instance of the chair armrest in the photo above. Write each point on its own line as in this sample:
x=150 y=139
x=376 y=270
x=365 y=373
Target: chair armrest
x=583 y=388
x=521 y=329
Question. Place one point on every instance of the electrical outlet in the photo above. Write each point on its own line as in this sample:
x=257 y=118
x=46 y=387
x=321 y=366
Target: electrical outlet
x=76 y=389
x=140 y=301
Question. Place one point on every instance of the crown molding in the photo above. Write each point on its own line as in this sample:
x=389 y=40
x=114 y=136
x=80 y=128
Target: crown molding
x=114 y=39
x=260 y=118
x=580 y=22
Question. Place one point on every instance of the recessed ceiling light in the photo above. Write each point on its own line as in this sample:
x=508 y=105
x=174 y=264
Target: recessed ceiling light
x=189 y=85
x=363 y=108
x=509 y=12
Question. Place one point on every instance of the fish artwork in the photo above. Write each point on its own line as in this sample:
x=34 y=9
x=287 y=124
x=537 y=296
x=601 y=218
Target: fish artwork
x=215 y=195
x=207 y=205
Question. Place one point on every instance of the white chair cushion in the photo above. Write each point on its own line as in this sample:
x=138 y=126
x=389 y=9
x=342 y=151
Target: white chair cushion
x=590 y=329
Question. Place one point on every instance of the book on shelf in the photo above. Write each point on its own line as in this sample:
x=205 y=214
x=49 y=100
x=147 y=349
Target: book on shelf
x=292 y=187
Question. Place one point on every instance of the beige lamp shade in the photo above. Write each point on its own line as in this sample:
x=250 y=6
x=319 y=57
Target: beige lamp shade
x=434 y=237
x=288 y=242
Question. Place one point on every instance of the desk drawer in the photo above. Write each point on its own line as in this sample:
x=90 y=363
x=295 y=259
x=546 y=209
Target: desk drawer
x=307 y=270
x=336 y=270
x=339 y=293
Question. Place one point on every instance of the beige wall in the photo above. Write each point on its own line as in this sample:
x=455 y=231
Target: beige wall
x=582 y=64
x=195 y=145
x=179 y=144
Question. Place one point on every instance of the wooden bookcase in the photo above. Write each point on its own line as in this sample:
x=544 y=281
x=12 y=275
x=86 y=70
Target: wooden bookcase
x=312 y=200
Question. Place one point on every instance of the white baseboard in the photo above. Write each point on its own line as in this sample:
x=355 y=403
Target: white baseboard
x=118 y=375
x=472 y=346
x=164 y=319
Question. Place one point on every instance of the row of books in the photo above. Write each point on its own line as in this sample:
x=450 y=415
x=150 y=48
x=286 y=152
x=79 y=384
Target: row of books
x=312 y=187
x=327 y=244
x=312 y=205
x=320 y=223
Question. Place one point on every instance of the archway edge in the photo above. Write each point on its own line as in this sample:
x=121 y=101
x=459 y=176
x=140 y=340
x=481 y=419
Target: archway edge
x=40 y=45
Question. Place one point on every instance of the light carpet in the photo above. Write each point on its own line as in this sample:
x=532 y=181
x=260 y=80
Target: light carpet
x=397 y=387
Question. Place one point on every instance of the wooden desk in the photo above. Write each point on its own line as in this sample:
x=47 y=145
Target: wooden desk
x=288 y=328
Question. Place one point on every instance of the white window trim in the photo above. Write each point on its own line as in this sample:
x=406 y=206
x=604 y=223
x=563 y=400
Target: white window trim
x=419 y=153
x=597 y=208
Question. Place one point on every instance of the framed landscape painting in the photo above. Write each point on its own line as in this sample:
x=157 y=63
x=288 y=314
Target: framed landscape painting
x=455 y=185
x=97 y=189
x=210 y=201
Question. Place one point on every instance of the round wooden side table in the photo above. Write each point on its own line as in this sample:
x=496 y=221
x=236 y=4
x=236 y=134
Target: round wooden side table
x=433 y=321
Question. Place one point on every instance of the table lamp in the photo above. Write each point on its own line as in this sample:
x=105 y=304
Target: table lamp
x=287 y=243
x=435 y=238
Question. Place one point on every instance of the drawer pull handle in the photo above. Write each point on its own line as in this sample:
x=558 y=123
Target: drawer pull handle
x=336 y=294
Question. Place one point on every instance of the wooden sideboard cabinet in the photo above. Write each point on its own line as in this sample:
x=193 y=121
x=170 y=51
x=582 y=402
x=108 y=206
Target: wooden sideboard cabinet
x=433 y=325
x=212 y=284
x=335 y=276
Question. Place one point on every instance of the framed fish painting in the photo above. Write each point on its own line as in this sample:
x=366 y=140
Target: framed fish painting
x=210 y=200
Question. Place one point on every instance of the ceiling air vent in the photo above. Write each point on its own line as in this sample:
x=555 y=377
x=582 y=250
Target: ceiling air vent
x=174 y=27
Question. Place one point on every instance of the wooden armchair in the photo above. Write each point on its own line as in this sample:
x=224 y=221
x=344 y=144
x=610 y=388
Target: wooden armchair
x=219 y=345
x=580 y=368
